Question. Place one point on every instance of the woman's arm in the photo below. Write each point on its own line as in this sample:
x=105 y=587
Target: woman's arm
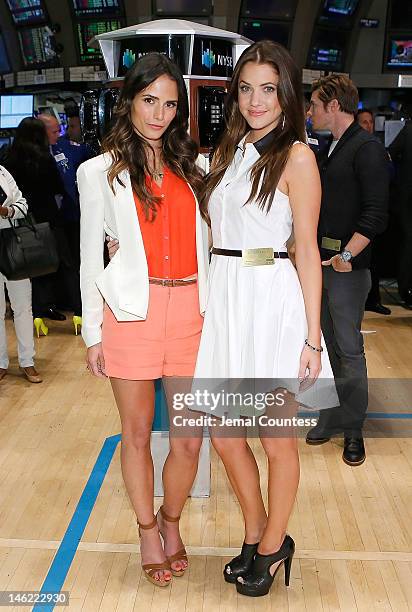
x=16 y=202
x=91 y=250
x=304 y=187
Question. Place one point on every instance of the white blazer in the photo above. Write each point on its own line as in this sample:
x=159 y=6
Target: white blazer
x=124 y=283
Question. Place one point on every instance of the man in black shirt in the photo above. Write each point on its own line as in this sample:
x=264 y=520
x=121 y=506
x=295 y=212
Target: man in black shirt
x=355 y=183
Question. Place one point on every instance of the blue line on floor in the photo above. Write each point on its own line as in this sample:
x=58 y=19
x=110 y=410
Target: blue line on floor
x=65 y=554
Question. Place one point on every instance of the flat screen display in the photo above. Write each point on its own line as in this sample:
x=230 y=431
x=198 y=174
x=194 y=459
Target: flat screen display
x=400 y=53
x=86 y=31
x=37 y=46
x=182 y=7
x=265 y=30
x=338 y=12
x=14 y=108
x=27 y=12
x=4 y=58
x=176 y=47
x=327 y=51
x=401 y=15
x=340 y=7
x=269 y=9
x=97 y=8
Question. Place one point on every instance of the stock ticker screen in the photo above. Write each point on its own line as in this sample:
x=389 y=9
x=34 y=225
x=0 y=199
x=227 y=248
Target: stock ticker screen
x=27 y=12
x=37 y=46
x=97 y=8
x=86 y=30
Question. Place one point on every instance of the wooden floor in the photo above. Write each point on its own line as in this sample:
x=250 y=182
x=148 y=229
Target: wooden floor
x=352 y=526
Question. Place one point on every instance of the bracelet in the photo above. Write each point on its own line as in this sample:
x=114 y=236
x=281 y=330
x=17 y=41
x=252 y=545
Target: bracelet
x=314 y=348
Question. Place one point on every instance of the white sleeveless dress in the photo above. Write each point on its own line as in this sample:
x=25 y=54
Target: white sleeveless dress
x=255 y=322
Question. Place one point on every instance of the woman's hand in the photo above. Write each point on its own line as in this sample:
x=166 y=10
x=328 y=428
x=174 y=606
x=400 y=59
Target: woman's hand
x=95 y=360
x=310 y=368
x=112 y=246
x=338 y=264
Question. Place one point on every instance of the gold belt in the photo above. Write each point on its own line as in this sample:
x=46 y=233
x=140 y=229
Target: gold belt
x=170 y=282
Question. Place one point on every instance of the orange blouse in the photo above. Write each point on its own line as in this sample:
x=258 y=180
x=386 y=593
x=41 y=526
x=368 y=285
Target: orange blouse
x=170 y=240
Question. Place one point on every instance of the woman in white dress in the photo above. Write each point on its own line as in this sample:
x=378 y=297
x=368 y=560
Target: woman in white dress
x=263 y=316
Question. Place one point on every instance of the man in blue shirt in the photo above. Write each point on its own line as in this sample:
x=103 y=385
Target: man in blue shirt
x=68 y=156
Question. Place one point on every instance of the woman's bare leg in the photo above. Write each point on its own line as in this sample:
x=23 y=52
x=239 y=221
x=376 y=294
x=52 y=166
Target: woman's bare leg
x=180 y=467
x=135 y=402
x=281 y=448
x=242 y=471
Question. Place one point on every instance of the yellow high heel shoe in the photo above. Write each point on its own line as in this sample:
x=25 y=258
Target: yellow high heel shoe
x=77 y=322
x=40 y=326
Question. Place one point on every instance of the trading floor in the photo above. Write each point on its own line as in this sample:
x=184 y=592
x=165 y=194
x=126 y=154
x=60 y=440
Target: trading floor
x=59 y=443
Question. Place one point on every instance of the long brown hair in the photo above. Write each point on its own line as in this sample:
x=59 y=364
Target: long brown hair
x=129 y=151
x=273 y=160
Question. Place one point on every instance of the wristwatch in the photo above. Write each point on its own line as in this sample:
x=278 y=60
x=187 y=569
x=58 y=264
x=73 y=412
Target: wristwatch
x=346 y=256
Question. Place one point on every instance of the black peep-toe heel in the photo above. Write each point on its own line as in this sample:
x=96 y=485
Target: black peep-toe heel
x=259 y=580
x=240 y=565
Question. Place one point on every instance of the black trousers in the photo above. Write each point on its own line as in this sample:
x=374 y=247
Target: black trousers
x=343 y=305
x=62 y=287
x=405 y=255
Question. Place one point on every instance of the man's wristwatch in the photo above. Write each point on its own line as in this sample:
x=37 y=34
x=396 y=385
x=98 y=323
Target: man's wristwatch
x=346 y=256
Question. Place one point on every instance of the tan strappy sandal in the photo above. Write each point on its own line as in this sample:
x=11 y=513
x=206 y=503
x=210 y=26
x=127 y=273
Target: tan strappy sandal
x=181 y=554
x=151 y=568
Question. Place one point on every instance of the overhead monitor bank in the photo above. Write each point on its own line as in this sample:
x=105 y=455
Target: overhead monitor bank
x=206 y=56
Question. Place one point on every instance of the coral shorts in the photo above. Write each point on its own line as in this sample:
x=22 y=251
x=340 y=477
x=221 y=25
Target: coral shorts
x=164 y=344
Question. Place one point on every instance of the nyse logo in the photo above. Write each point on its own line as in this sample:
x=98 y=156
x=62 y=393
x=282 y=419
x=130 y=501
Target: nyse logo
x=208 y=58
x=129 y=58
x=225 y=60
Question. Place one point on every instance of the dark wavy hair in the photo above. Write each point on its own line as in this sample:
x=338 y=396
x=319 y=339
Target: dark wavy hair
x=30 y=145
x=272 y=162
x=129 y=150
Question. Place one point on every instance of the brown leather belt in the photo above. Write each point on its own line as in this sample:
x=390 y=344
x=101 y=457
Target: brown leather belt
x=170 y=282
x=234 y=253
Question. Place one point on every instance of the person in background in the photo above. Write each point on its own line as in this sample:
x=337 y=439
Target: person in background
x=29 y=161
x=373 y=301
x=74 y=129
x=400 y=151
x=355 y=192
x=14 y=206
x=68 y=157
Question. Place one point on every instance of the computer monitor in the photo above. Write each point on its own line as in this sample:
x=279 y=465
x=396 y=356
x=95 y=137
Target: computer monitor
x=85 y=31
x=327 y=50
x=257 y=29
x=37 y=46
x=338 y=12
x=27 y=12
x=182 y=7
x=14 y=108
x=97 y=8
x=5 y=141
x=4 y=58
x=399 y=52
x=269 y=9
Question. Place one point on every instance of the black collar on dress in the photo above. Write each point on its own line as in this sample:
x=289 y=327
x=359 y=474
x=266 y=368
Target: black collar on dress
x=263 y=143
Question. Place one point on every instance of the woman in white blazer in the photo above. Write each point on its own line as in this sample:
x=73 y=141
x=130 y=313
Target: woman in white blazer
x=142 y=314
x=13 y=206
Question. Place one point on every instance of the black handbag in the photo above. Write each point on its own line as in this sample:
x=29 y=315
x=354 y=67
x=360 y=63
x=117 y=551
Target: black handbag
x=28 y=250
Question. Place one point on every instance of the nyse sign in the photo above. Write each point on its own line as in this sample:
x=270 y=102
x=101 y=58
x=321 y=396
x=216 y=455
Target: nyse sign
x=212 y=57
